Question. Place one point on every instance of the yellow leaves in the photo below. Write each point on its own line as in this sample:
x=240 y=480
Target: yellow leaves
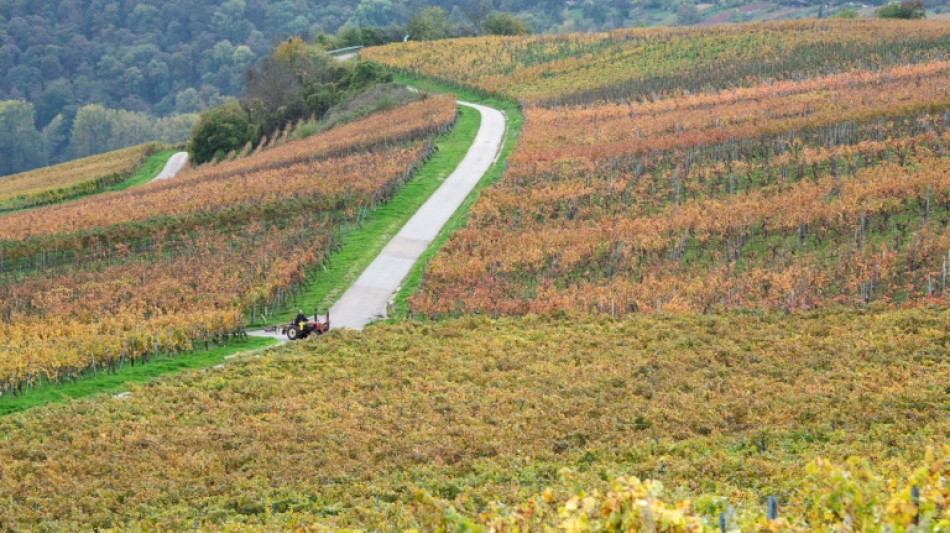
x=129 y=300
x=494 y=396
x=544 y=69
x=327 y=165
x=63 y=180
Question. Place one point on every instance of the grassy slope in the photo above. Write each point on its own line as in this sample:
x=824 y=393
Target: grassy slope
x=364 y=244
x=514 y=122
x=113 y=383
x=152 y=166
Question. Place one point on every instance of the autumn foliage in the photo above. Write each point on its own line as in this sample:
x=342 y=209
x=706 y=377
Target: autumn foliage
x=648 y=63
x=68 y=180
x=122 y=277
x=796 y=186
x=488 y=416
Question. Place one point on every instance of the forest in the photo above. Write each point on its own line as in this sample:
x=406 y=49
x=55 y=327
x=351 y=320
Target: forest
x=174 y=59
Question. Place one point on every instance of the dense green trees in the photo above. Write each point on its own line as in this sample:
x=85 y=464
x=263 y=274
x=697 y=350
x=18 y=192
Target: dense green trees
x=298 y=81
x=90 y=129
x=219 y=131
x=21 y=145
x=908 y=9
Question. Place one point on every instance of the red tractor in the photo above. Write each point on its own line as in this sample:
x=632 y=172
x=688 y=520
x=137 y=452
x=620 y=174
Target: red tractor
x=301 y=327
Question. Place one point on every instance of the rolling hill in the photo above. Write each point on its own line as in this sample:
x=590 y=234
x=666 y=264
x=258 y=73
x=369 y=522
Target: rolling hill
x=706 y=292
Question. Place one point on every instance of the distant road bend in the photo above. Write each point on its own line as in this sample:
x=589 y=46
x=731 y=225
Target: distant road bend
x=174 y=165
x=343 y=54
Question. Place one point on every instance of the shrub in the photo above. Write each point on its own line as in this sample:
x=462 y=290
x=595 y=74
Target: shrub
x=219 y=131
x=908 y=9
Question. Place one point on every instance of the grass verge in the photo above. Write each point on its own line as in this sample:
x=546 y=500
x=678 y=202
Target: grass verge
x=152 y=166
x=113 y=383
x=364 y=244
x=514 y=120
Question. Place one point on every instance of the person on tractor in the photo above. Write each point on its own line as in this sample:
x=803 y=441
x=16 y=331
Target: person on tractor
x=301 y=320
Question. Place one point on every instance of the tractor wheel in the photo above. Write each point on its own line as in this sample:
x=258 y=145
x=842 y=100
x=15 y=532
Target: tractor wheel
x=293 y=332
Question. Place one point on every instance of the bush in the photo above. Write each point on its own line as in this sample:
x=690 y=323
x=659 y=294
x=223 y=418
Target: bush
x=908 y=9
x=368 y=73
x=499 y=23
x=687 y=14
x=220 y=131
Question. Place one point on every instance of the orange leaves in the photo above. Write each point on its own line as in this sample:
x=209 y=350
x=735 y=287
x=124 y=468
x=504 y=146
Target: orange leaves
x=722 y=176
x=289 y=171
x=188 y=259
x=640 y=64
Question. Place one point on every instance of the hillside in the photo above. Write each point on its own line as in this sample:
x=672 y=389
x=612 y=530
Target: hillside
x=118 y=278
x=738 y=178
x=703 y=289
x=68 y=180
x=106 y=63
x=341 y=432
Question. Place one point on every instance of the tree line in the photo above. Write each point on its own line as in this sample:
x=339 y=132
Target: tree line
x=122 y=63
x=93 y=129
x=299 y=81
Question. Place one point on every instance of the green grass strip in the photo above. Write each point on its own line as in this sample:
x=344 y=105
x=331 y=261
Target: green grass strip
x=152 y=166
x=113 y=383
x=364 y=244
x=514 y=120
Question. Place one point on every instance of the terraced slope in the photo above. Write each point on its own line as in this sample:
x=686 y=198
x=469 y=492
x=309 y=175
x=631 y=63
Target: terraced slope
x=68 y=180
x=343 y=431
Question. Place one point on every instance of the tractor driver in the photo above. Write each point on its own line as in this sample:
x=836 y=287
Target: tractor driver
x=301 y=319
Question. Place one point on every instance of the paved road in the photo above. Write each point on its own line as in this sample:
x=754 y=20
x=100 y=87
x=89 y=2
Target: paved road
x=367 y=299
x=174 y=165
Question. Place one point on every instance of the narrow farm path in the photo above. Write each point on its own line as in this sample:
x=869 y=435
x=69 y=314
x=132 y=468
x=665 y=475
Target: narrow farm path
x=367 y=299
x=173 y=166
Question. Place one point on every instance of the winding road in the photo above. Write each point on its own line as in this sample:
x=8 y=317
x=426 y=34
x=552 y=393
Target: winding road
x=368 y=298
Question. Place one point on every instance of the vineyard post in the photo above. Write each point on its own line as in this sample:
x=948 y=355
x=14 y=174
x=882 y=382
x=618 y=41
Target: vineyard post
x=915 y=499
x=722 y=522
x=943 y=277
x=772 y=509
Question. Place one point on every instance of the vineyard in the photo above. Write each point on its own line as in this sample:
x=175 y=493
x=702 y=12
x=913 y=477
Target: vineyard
x=119 y=278
x=708 y=293
x=648 y=63
x=68 y=180
x=793 y=186
x=724 y=410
